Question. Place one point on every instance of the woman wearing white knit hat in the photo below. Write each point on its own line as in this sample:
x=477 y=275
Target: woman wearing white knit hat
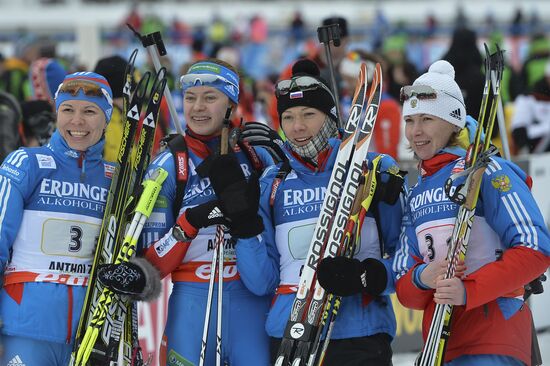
x=509 y=244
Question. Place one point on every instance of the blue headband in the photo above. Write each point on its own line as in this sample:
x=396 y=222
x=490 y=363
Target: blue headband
x=104 y=101
x=221 y=78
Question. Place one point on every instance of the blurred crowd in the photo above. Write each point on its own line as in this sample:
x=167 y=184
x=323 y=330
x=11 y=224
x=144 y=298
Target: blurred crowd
x=30 y=76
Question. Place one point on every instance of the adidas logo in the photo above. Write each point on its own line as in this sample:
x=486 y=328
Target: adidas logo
x=16 y=361
x=455 y=114
x=215 y=213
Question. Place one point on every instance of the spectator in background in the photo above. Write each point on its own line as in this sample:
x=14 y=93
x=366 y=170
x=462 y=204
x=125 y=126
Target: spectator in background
x=387 y=130
x=533 y=67
x=38 y=123
x=510 y=85
x=254 y=59
x=245 y=108
x=10 y=115
x=431 y=25
x=113 y=68
x=133 y=18
x=531 y=121
x=297 y=28
x=466 y=59
x=14 y=79
x=517 y=26
x=218 y=33
x=45 y=76
x=400 y=70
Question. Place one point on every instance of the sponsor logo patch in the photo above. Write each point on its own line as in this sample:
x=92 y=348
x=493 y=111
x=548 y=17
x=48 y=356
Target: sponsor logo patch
x=109 y=170
x=45 y=161
x=12 y=172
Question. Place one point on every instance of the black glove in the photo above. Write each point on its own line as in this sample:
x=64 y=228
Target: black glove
x=138 y=279
x=259 y=134
x=239 y=198
x=203 y=215
x=346 y=276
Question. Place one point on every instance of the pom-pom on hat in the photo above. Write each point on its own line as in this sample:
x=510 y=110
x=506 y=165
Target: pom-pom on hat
x=305 y=88
x=447 y=103
x=87 y=86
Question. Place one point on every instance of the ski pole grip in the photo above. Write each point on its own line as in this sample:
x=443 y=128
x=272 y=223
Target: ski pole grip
x=156 y=38
x=151 y=190
x=327 y=33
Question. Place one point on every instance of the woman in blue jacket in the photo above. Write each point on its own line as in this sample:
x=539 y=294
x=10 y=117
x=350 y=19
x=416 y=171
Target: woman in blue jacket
x=272 y=262
x=52 y=200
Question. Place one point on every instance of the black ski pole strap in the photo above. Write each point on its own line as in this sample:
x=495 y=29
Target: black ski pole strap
x=390 y=190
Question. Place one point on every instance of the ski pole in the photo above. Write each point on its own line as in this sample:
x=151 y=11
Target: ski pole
x=155 y=47
x=224 y=149
x=327 y=33
x=216 y=264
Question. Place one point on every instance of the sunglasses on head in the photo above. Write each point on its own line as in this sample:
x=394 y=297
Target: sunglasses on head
x=299 y=83
x=421 y=92
x=90 y=89
x=189 y=80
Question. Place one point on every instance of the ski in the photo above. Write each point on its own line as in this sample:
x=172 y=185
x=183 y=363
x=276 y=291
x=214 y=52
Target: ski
x=466 y=195
x=308 y=304
x=151 y=189
x=128 y=310
x=343 y=210
x=352 y=235
x=114 y=222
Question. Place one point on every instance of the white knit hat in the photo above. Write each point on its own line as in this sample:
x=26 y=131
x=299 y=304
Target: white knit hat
x=449 y=102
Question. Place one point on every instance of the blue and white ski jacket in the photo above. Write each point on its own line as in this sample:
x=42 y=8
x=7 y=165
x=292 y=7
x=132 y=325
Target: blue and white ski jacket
x=195 y=265
x=52 y=200
x=508 y=247
x=272 y=262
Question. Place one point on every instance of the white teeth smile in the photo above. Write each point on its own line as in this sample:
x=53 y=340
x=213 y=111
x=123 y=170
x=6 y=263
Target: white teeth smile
x=200 y=119
x=78 y=133
x=421 y=143
x=303 y=139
